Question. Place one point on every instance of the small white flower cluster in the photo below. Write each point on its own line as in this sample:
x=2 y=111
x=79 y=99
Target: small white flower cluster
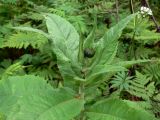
x=145 y=11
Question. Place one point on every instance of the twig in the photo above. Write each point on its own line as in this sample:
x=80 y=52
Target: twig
x=153 y=18
x=131 y=6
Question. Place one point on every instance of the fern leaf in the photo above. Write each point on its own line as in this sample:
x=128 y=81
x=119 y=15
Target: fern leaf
x=141 y=87
x=9 y=1
x=121 y=81
x=45 y=72
x=12 y=70
x=143 y=53
x=153 y=71
x=23 y=40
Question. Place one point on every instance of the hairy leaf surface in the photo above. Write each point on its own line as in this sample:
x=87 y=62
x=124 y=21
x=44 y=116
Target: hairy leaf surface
x=31 y=98
x=114 y=109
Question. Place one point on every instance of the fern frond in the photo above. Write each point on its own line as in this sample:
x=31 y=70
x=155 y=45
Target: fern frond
x=148 y=36
x=26 y=58
x=143 y=53
x=23 y=40
x=121 y=81
x=8 y=70
x=142 y=87
x=13 y=69
x=78 y=22
x=142 y=32
x=42 y=64
x=5 y=63
x=57 y=12
x=145 y=37
x=153 y=70
x=104 y=87
x=156 y=105
x=45 y=72
x=157 y=97
x=9 y=1
x=31 y=15
x=1 y=42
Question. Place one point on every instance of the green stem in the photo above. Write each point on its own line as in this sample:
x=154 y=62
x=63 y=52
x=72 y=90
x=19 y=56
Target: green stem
x=80 y=54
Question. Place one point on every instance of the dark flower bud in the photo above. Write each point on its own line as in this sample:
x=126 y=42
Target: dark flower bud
x=89 y=52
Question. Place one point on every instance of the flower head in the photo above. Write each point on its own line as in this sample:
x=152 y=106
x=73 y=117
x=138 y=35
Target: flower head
x=144 y=11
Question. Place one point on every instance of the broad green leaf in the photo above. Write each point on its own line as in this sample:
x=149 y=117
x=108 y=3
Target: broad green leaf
x=31 y=98
x=2 y=117
x=64 y=36
x=114 y=109
x=142 y=105
x=69 y=72
x=106 y=49
x=130 y=63
x=66 y=42
x=108 y=44
x=99 y=70
x=89 y=41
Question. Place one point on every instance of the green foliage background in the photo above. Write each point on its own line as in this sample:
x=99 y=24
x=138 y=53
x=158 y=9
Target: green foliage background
x=79 y=60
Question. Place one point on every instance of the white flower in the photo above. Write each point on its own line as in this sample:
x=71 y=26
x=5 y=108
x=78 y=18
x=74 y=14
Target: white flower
x=150 y=12
x=145 y=10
